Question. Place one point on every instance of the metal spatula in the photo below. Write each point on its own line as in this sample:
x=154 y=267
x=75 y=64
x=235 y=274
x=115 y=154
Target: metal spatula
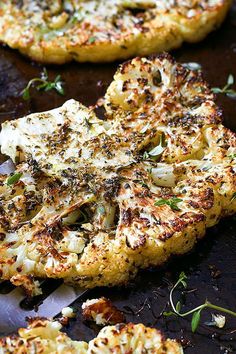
x=13 y=316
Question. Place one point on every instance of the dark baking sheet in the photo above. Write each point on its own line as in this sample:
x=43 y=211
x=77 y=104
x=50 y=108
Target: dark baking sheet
x=144 y=299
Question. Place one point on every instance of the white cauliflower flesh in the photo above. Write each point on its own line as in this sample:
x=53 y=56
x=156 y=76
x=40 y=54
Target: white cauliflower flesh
x=96 y=200
x=101 y=31
x=44 y=337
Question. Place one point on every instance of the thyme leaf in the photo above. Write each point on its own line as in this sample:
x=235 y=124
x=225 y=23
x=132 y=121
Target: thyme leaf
x=91 y=40
x=183 y=279
x=195 y=320
x=227 y=90
x=169 y=313
x=14 y=178
x=233 y=196
x=178 y=306
x=172 y=202
x=145 y=155
x=192 y=66
x=43 y=84
x=195 y=312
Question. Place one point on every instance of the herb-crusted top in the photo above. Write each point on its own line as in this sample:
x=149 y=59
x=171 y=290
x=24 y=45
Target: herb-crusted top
x=45 y=337
x=93 y=201
x=59 y=31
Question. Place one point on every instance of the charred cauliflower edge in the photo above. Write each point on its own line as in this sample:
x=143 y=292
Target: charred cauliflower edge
x=103 y=31
x=44 y=336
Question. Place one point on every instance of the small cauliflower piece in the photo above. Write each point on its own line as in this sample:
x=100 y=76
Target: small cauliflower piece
x=102 y=312
x=68 y=312
x=218 y=320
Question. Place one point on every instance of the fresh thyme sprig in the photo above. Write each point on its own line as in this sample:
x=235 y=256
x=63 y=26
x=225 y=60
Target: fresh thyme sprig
x=172 y=202
x=196 y=312
x=227 y=90
x=44 y=84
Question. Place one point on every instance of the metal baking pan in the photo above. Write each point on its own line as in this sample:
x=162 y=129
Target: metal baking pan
x=211 y=267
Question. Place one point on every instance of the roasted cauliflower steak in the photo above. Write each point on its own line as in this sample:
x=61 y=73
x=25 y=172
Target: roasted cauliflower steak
x=98 y=199
x=45 y=337
x=100 y=30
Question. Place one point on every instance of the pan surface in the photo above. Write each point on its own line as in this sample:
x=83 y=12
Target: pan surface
x=211 y=267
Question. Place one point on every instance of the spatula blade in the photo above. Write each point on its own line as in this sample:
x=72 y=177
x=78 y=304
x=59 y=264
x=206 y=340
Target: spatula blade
x=13 y=316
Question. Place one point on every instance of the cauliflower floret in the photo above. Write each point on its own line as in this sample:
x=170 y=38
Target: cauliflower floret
x=44 y=336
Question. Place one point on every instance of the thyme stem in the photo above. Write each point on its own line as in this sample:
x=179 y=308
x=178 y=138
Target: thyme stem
x=197 y=310
x=44 y=84
x=221 y=309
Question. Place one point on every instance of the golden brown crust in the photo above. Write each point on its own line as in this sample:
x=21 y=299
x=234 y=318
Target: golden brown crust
x=96 y=31
x=41 y=336
x=44 y=337
x=119 y=194
x=102 y=312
